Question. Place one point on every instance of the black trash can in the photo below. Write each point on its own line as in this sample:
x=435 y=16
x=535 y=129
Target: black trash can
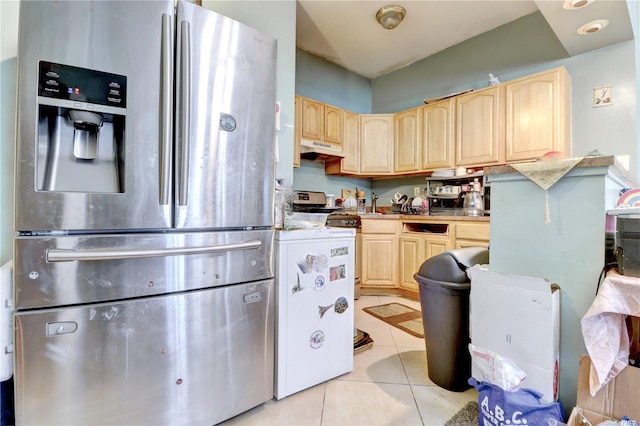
x=444 y=299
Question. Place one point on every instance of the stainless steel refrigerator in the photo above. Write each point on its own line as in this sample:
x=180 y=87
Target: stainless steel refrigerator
x=143 y=264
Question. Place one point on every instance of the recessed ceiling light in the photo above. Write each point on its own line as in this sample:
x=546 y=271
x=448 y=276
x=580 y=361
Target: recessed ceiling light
x=576 y=4
x=593 y=27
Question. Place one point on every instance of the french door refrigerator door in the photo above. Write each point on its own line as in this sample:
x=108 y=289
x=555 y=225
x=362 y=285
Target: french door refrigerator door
x=99 y=146
x=90 y=127
x=195 y=358
x=225 y=121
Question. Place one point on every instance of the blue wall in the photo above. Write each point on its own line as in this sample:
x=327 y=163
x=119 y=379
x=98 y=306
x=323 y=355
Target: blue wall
x=526 y=46
x=326 y=82
x=523 y=46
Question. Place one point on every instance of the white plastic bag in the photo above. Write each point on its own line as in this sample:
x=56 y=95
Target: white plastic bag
x=496 y=369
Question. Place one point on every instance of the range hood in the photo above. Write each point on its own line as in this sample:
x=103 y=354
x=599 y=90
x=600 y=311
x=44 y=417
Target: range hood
x=319 y=151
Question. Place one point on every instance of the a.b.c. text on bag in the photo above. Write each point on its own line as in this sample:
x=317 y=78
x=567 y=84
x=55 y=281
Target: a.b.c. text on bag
x=499 y=407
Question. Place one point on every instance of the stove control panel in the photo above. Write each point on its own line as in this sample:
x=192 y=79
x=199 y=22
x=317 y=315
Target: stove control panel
x=344 y=221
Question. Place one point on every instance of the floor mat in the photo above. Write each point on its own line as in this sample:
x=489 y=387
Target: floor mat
x=400 y=316
x=467 y=416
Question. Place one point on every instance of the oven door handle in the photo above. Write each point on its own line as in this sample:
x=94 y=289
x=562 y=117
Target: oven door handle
x=64 y=255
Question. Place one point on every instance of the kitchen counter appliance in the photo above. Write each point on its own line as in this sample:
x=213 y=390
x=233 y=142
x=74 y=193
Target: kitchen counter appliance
x=447 y=194
x=627 y=240
x=143 y=295
x=311 y=202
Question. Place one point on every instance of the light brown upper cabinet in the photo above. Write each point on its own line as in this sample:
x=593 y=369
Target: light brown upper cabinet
x=538 y=115
x=479 y=127
x=321 y=122
x=350 y=164
x=297 y=131
x=437 y=142
x=520 y=120
x=376 y=143
x=351 y=160
x=406 y=155
x=333 y=125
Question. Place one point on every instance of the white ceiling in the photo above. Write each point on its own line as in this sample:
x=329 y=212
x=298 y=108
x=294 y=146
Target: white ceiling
x=346 y=31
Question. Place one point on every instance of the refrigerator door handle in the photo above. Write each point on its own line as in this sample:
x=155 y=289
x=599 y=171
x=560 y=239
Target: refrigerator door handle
x=184 y=112
x=166 y=102
x=63 y=255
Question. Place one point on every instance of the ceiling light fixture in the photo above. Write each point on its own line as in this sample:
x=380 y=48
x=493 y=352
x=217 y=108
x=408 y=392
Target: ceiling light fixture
x=593 y=27
x=576 y=4
x=390 y=16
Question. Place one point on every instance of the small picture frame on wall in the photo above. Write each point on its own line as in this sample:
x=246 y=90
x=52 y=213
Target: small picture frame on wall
x=602 y=96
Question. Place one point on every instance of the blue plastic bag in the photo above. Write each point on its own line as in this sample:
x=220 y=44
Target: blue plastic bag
x=499 y=407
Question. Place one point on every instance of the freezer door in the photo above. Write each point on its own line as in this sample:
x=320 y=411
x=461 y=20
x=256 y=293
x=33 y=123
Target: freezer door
x=94 y=103
x=195 y=358
x=68 y=270
x=225 y=121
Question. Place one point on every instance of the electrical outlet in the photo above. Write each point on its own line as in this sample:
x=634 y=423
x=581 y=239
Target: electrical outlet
x=416 y=191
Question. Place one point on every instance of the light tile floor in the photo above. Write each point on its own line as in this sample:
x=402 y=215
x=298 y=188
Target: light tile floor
x=389 y=385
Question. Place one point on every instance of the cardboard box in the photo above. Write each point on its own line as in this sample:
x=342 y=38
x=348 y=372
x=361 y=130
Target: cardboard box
x=617 y=398
x=518 y=317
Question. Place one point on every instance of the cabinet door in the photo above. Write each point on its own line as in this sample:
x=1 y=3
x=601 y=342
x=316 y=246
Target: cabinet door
x=411 y=258
x=379 y=260
x=406 y=156
x=538 y=115
x=297 y=131
x=479 y=136
x=351 y=160
x=333 y=124
x=437 y=135
x=312 y=119
x=376 y=143
x=435 y=246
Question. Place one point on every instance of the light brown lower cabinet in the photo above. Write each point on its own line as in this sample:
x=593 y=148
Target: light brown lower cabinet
x=394 y=250
x=379 y=260
x=419 y=242
x=411 y=248
x=472 y=235
x=379 y=253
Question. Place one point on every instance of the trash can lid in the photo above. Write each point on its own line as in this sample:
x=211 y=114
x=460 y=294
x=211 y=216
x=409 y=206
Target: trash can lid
x=451 y=265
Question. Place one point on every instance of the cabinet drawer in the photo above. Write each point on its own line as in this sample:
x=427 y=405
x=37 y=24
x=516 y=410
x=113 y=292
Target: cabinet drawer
x=472 y=231
x=427 y=229
x=472 y=243
x=379 y=226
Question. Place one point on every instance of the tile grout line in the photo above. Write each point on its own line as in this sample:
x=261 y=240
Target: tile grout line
x=406 y=374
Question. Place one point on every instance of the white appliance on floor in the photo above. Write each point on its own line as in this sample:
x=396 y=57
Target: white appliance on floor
x=314 y=314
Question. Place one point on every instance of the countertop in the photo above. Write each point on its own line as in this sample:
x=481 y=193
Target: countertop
x=609 y=161
x=423 y=218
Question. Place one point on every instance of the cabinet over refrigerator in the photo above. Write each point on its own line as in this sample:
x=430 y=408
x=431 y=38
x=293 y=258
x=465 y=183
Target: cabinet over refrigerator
x=143 y=295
